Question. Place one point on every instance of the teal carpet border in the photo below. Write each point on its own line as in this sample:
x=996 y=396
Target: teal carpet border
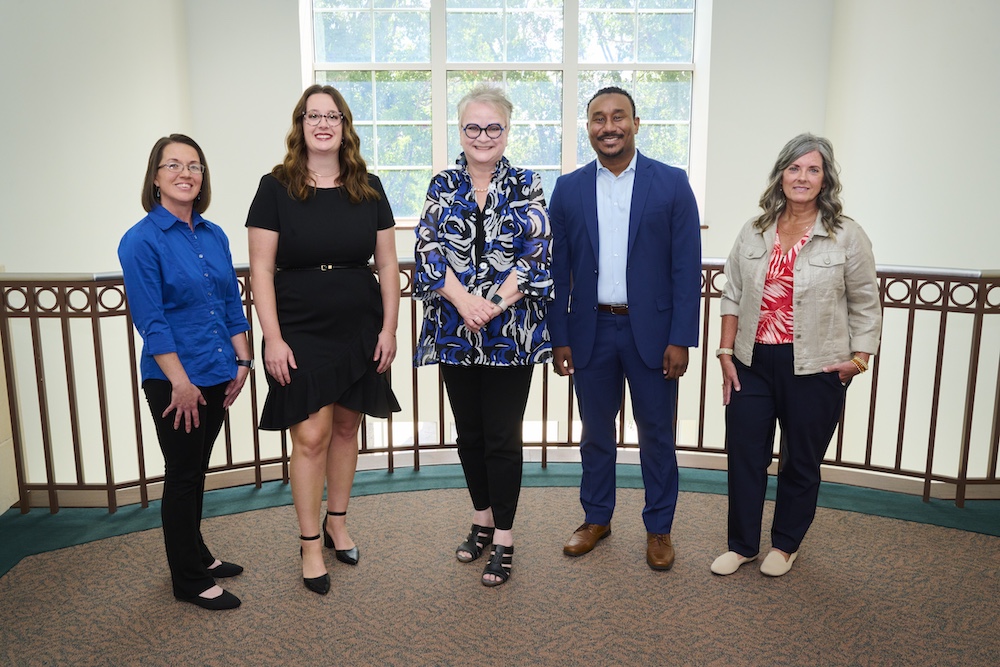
x=39 y=531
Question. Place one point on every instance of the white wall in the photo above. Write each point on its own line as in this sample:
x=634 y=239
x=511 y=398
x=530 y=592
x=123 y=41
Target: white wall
x=913 y=108
x=770 y=60
x=88 y=87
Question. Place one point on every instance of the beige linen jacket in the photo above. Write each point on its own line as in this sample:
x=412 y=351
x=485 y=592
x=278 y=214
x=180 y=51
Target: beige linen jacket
x=838 y=310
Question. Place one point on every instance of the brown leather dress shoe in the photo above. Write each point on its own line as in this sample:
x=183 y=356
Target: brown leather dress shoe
x=585 y=538
x=659 y=551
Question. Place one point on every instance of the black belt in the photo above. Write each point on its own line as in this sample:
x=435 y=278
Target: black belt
x=614 y=310
x=321 y=267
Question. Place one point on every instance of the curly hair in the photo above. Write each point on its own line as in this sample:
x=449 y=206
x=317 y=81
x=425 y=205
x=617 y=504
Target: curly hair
x=773 y=199
x=150 y=198
x=293 y=172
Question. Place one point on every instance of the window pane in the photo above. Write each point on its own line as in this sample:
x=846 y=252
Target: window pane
x=398 y=4
x=403 y=37
x=666 y=38
x=343 y=37
x=549 y=177
x=666 y=4
x=403 y=95
x=607 y=4
x=403 y=145
x=663 y=95
x=607 y=37
x=340 y=4
x=406 y=190
x=534 y=37
x=475 y=37
x=535 y=95
x=532 y=145
x=365 y=138
x=666 y=143
x=356 y=87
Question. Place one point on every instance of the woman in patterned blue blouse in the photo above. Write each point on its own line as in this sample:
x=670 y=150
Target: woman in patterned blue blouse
x=482 y=271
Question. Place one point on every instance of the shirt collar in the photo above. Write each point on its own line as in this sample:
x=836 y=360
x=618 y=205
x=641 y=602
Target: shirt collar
x=630 y=167
x=164 y=219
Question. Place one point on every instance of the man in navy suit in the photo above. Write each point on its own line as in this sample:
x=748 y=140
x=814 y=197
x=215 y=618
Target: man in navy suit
x=626 y=262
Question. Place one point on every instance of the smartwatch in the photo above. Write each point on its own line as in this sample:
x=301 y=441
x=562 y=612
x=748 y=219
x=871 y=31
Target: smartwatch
x=497 y=300
x=245 y=362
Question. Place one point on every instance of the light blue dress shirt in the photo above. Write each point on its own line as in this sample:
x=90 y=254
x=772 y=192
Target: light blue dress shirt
x=614 y=204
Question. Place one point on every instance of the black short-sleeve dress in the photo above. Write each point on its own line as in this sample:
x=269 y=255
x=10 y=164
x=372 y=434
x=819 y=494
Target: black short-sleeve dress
x=330 y=318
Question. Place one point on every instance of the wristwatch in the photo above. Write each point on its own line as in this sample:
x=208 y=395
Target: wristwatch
x=498 y=300
x=245 y=362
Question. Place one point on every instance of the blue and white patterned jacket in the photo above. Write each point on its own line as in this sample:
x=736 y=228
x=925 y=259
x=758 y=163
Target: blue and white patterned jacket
x=515 y=236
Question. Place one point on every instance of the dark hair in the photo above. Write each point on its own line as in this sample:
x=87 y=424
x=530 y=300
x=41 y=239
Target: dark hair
x=828 y=201
x=293 y=171
x=612 y=90
x=150 y=199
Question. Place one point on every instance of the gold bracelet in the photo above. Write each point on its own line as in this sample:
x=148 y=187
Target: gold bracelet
x=859 y=364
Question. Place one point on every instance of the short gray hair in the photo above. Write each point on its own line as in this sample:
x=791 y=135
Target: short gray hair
x=485 y=93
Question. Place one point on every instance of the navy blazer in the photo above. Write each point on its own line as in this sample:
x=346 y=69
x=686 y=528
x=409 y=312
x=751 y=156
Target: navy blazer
x=664 y=261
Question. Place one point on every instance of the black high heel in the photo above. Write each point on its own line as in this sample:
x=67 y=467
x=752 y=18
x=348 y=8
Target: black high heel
x=479 y=538
x=501 y=561
x=349 y=556
x=320 y=584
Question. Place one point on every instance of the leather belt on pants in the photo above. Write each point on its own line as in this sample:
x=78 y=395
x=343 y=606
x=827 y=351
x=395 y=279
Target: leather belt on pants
x=614 y=310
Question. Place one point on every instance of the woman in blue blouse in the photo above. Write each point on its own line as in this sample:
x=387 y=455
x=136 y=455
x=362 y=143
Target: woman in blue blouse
x=482 y=271
x=185 y=301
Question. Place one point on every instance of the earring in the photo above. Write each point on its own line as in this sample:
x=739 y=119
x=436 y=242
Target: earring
x=157 y=194
x=198 y=198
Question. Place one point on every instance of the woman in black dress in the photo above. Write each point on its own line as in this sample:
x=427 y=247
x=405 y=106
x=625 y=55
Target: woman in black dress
x=329 y=327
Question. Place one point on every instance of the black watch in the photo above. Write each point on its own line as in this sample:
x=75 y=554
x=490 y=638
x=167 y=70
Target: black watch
x=245 y=362
x=497 y=300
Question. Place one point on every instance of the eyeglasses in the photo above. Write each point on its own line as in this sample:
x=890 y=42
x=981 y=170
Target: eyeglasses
x=314 y=117
x=177 y=167
x=493 y=130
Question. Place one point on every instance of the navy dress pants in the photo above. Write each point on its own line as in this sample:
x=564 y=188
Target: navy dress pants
x=808 y=408
x=488 y=405
x=599 y=389
x=185 y=457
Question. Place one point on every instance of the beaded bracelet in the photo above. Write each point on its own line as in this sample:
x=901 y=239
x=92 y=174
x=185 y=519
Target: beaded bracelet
x=860 y=364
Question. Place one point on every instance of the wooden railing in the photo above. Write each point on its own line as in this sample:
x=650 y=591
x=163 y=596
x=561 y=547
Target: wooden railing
x=925 y=420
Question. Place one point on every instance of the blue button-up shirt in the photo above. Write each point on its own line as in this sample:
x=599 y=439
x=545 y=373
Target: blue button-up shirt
x=614 y=204
x=183 y=295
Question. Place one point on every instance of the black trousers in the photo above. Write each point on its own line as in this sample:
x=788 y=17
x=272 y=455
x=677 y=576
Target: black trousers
x=185 y=457
x=808 y=408
x=488 y=404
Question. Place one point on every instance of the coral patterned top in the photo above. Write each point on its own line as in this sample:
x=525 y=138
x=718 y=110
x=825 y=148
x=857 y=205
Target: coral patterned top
x=776 y=321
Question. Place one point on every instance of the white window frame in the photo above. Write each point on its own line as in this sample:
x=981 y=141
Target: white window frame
x=439 y=68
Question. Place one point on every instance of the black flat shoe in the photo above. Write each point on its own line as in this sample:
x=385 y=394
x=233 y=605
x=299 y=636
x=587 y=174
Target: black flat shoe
x=349 y=556
x=224 y=569
x=479 y=538
x=225 y=601
x=319 y=584
x=501 y=561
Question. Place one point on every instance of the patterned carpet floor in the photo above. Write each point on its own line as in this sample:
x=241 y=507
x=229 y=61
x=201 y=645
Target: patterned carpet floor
x=865 y=590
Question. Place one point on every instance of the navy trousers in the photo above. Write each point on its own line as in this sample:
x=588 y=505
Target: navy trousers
x=185 y=457
x=488 y=405
x=599 y=387
x=808 y=408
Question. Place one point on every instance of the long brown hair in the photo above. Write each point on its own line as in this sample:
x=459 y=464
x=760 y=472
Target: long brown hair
x=150 y=198
x=828 y=201
x=293 y=171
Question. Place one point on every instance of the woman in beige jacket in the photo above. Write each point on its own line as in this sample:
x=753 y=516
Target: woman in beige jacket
x=801 y=316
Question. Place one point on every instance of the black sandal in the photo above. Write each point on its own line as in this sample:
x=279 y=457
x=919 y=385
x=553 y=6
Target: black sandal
x=479 y=538
x=501 y=561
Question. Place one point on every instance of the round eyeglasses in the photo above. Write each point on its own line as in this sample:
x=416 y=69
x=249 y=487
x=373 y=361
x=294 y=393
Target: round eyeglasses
x=177 y=167
x=314 y=117
x=493 y=130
